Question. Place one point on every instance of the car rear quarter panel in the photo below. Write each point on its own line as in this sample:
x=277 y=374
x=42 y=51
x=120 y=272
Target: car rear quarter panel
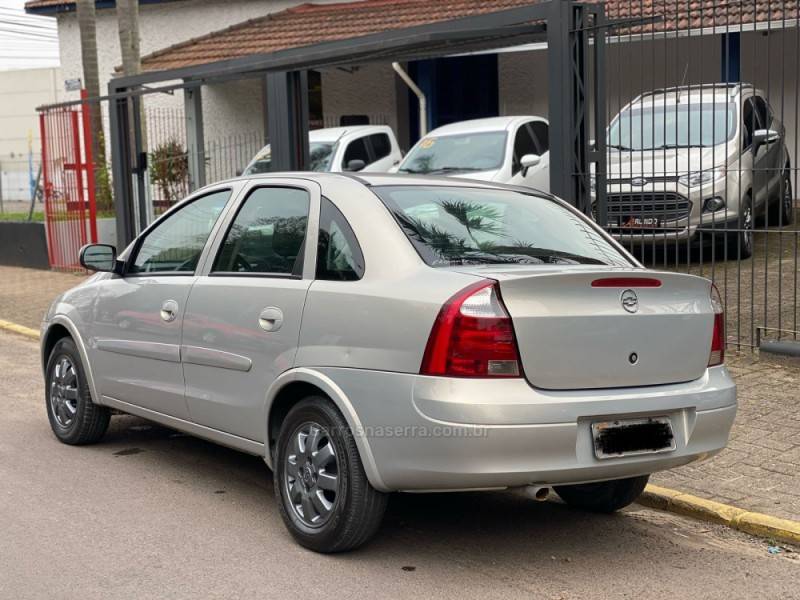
x=382 y=321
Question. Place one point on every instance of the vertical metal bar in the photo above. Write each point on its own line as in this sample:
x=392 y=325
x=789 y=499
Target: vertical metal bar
x=89 y=166
x=80 y=202
x=599 y=152
x=559 y=97
x=287 y=96
x=194 y=131
x=121 y=165
x=46 y=185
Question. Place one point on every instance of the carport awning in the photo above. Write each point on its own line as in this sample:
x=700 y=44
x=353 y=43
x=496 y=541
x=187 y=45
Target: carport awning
x=317 y=23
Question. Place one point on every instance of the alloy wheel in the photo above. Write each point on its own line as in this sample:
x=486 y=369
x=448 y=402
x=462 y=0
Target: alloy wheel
x=747 y=227
x=788 y=197
x=312 y=474
x=64 y=392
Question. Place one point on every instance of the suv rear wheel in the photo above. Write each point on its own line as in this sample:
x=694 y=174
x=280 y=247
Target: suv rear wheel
x=603 y=496
x=323 y=494
x=783 y=208
x=73 y=417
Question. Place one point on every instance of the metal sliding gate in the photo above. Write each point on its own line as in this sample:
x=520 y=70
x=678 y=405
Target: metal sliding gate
x=68 y=182
x=702 y=103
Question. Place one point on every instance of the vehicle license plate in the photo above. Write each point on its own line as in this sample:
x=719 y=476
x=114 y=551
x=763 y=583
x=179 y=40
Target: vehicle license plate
x=629 y=437
x=639 y=222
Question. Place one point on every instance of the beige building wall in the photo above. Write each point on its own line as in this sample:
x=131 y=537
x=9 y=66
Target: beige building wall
x=21 y=92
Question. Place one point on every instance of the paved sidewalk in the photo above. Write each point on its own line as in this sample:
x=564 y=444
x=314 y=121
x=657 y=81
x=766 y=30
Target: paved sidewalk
x=759 y=471
x=26 y=294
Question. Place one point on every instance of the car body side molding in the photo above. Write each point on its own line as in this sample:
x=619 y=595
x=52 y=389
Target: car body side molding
x=154 y=350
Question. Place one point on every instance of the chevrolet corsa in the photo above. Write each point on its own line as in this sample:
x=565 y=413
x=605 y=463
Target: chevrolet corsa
x=384 y=333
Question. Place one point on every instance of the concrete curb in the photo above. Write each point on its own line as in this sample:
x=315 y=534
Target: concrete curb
x=20 y=329
x=754 y=523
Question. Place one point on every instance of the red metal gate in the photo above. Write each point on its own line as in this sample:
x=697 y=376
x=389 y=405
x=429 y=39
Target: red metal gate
x=68 y=182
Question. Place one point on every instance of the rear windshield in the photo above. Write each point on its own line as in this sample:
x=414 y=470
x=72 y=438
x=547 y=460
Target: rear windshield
x=473 y=226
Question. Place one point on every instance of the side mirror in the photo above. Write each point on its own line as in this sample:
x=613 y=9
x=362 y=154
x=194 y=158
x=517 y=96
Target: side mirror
x=764 y=136
x=528 y=161
x=355 y=165
x=99 y=257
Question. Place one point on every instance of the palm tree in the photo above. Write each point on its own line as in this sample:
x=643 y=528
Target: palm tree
x=87 y=26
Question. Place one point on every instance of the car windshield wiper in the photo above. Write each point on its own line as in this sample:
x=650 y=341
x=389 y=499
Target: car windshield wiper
x=618 y=147
x=548 y=254
x=410 y=170
x=452 y=169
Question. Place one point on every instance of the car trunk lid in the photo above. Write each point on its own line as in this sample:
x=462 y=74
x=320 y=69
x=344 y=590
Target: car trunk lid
x=576 y=335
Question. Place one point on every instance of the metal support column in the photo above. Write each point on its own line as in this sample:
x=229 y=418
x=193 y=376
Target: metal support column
x=731 y=57
x=119 y=126
x=195 y=140
x=598 y=153
x=568 y=50
x=287 y=106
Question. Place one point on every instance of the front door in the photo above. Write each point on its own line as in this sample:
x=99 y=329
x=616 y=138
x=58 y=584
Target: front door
x=531 y=138
x=136 y=328
x=243 y=317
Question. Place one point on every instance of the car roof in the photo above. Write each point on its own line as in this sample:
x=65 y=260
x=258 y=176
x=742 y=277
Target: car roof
x=481 y=125
x=331 y=134
x=384 y=179
x=694 y=94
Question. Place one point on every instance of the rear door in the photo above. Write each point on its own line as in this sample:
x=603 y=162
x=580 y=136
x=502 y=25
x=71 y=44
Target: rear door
x=136 y=329
x=243 y=315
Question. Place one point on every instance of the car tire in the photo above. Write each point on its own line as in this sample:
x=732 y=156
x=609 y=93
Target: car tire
x=74 y=418
x=603 y=496
x=324 y=496
x=782 y=213
x=743 y=240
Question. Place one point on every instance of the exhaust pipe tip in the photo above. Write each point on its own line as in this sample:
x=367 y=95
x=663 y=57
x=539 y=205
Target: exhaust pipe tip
x=538 y=492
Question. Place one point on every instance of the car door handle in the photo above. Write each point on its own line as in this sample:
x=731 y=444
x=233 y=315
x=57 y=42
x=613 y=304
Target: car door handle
x=270 y=319
x=169 y=311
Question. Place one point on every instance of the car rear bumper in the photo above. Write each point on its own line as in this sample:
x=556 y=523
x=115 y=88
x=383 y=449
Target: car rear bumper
x=429 y=433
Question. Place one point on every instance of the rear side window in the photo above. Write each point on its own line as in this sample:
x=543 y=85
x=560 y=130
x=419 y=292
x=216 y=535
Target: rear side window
x=452 y=226
x=339 y=256
x=381 y=145
x=268 y=234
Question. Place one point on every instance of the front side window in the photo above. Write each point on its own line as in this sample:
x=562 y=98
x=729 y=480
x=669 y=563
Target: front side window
x=541 y=135
x=660 y=127
x=176 y=243
x=523 y=144
x=451 y=226
x=339 y=257
x=267 y=235
x=356 y=150
x=457 y=153
x=749 y=123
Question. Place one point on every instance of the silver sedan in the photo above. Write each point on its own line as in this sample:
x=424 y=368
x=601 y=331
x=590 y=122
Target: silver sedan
x=373 y=334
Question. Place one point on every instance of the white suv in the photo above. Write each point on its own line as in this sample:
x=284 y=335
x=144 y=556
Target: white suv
x=697 y=158
x=514 y=150
x=357 y=148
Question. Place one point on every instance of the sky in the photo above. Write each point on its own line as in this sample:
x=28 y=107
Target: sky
x=26 y=41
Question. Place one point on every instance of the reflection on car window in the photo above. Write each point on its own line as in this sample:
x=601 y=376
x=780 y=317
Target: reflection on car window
x=473 y=226
x=339 y=256
x=267 y=235
x=176 y=243
x=453 y=153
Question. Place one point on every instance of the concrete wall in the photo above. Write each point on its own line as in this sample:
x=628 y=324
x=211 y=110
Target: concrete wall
x=362 y=90
x=20 y=93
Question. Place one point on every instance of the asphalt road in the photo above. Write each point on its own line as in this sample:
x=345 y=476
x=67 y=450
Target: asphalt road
x=149 y=513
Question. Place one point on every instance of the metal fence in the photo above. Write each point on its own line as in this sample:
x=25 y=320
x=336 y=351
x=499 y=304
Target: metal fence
x=701 y=159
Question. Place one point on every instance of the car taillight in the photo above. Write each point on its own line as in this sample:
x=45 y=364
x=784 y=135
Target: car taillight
x=717 y=356
x=473 y=336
